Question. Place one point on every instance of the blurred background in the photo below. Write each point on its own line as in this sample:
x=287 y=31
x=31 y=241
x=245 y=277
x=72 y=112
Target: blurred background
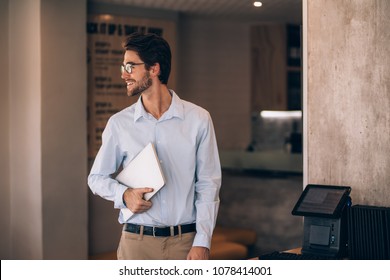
x=241 y=63
x=59 y=81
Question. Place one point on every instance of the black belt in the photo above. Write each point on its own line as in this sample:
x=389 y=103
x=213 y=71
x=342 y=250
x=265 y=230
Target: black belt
x=160 y=231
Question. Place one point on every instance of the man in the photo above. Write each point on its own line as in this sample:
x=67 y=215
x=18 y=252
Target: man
x=178 y=222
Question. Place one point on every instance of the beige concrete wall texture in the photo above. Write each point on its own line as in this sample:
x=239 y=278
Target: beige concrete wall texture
x=348 y=97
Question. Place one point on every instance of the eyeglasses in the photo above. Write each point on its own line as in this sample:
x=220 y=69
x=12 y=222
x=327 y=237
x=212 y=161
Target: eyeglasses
x=129 y=67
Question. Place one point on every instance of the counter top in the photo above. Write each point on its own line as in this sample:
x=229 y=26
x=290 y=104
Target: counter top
x=277 y=160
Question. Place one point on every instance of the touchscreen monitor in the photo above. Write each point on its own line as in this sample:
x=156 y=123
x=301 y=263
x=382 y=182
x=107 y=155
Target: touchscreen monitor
x=322 y=201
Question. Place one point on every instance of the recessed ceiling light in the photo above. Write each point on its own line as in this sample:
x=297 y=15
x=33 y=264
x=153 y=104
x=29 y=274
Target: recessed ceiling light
x=257 y=4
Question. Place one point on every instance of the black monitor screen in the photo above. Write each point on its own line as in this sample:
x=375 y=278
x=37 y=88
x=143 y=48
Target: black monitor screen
x=322 y=200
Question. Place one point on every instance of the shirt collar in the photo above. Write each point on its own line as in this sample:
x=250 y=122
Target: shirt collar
x=176 y=109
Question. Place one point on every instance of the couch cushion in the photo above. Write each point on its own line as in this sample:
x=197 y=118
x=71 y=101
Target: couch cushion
x=224 y=250
x=239 y=235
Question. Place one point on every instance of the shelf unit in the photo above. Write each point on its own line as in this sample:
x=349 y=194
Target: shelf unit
x=276 y=67
x=293 y=69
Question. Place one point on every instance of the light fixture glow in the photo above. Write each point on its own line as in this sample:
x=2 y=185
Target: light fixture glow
x=257 y=4
x=281 y=114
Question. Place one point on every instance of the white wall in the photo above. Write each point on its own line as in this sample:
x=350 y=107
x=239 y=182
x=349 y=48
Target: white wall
x=43 y=136
x=25 y=129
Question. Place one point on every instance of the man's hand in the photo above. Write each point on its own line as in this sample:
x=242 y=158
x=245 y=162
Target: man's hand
x=198 y=253
x=134 y=199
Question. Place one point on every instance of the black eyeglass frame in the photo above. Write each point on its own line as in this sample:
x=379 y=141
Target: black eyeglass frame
x=129 y=67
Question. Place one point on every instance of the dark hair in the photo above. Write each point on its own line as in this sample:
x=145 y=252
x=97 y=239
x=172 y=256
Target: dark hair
x=152 y=49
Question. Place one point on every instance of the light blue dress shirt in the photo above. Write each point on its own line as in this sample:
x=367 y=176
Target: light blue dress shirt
x=186 y=146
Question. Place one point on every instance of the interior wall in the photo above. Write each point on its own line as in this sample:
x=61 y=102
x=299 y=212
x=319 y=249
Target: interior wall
x=64 y=129
x=348 y=97
x=214 y=72
x=25 y=127
x=43 y=139
x=5 y=233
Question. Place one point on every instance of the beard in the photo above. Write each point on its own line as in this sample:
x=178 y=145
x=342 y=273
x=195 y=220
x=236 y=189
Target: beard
x=140 y=86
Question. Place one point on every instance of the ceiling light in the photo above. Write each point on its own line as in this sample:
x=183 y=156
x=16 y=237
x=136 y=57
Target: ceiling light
x=257 y=4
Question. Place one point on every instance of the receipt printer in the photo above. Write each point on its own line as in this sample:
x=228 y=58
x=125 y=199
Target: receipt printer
x=324 y=209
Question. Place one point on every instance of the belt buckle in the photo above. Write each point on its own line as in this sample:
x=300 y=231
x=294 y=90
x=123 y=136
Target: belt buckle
x=154 y=231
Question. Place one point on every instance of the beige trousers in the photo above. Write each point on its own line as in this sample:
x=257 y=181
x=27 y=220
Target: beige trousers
x=134 y=246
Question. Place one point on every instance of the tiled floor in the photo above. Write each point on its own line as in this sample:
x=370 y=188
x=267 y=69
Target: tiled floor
x=263 y=202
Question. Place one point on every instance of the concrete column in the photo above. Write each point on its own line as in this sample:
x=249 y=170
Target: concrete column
x=348 y=97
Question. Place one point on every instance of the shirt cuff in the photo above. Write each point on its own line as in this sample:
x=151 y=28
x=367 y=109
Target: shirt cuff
x=201 y=240
x=119 y=203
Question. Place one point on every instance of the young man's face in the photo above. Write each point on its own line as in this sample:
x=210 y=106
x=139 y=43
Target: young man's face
x=138 y=80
